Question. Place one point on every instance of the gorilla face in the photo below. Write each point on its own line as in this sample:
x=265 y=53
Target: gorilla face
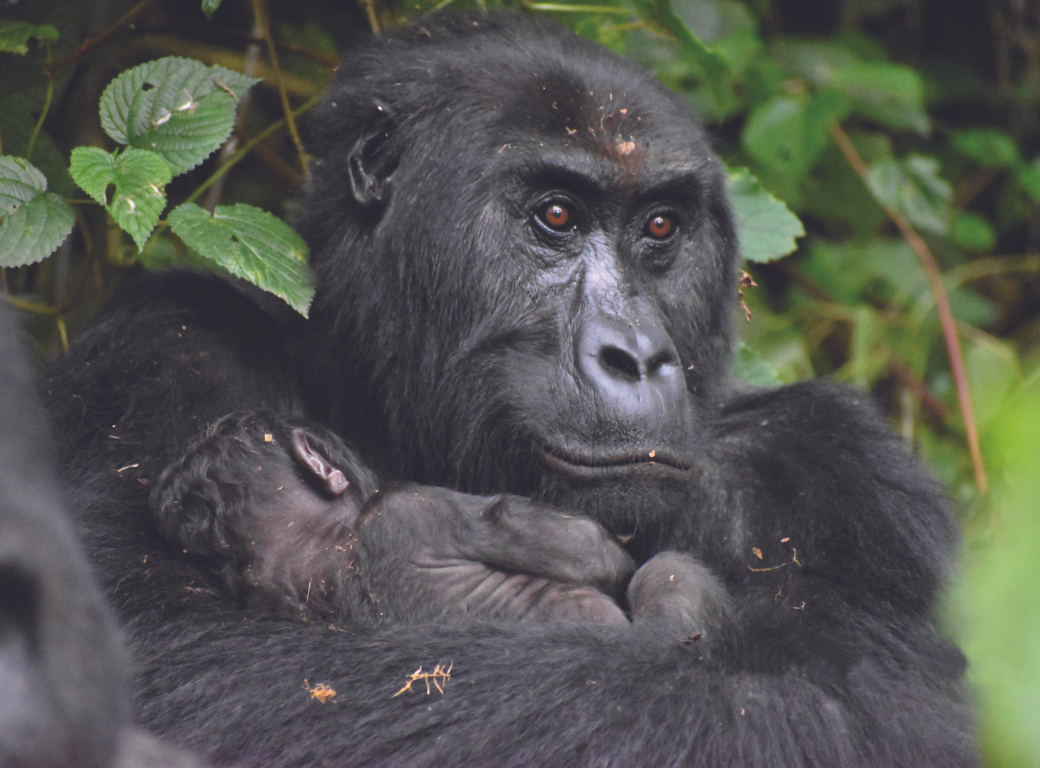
x=557 y=234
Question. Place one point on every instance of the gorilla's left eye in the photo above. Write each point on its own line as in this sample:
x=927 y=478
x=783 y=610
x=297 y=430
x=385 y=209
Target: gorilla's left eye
x=660 y=227
x=557 y=216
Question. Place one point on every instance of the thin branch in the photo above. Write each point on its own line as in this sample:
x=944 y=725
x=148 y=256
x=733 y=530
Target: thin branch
x=129 y=18
x=261 y=21
x=248 y=147
x=942 y=303
x=43 y=113
x=373 y=17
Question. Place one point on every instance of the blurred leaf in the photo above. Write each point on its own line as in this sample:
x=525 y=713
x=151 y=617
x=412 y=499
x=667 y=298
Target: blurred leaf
x=998 y=596
x=988 y=147
x=766 y=227
x=179 y=108
x=1028 y=177
x=853 y=271
x=34 y=221
x=660 y=14
x=209 y=6
x=15 y=35
x=865 y=332
x=749 y=367
x=16 y=128
x=250 y=244
x=993 y=371
x=887 y=93
x=972 y=231
x=914 y=188
x=139 y=178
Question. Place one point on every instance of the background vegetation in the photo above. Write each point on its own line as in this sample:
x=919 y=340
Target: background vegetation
x=905 y=134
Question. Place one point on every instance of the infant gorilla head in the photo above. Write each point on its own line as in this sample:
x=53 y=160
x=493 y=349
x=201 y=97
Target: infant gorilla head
x=275 y=508
x=270 y=505
x=290 y=519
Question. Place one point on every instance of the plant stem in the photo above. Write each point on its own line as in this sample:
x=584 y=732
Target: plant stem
x=942 y=304
x=261 y=21
x=248 y=147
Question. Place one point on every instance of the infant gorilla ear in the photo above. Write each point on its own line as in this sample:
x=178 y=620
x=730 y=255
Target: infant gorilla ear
x=274 y=507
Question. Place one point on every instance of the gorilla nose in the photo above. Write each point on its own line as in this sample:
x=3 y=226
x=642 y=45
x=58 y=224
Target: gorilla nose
x=633 y=366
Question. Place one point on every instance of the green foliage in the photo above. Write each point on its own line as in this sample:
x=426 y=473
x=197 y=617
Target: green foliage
x=749 y=367
x=767 y=228
x=139 y=178
x=949 y=143
x=15 y=35
x=914 y=188
x=34 y=221
x=996 y=605
x=251 y=244
x=176 y=107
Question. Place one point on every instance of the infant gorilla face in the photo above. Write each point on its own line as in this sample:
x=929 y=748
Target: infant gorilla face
x=296 y=532
x=293 y=522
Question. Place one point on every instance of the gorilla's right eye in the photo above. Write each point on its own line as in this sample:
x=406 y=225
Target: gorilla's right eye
x=557 y=216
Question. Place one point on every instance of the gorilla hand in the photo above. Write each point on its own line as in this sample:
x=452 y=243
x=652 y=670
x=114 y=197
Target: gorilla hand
x=678 y=593
x=424 y=553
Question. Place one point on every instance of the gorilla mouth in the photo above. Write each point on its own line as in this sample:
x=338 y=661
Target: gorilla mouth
x=590 y=465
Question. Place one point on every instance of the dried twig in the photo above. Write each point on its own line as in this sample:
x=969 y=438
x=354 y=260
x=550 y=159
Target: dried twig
x=438 y=677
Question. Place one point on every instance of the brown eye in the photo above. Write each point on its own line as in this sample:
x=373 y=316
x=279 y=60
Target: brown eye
x=557 y=216
x=660 y=227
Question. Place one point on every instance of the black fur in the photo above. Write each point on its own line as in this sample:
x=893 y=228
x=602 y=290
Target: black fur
x=63 y=671
x=446 y=343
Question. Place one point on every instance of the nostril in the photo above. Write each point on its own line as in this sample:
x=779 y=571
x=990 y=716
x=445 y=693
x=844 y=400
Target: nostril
x=659 y=361
x=618 y=362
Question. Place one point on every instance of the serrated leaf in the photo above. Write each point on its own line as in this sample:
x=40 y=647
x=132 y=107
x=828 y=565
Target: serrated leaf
x=766 y=226
x=251 y=244
x=140 y=178
x=33 y=221
x=209 y=6
x=749 y=367
x=988 y=147
x=179 y=108
x=914 y=188
x=891 y=94
x=15 y=35
x=660 y=14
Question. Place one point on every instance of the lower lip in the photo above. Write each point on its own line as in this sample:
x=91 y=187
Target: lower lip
x=615 y=466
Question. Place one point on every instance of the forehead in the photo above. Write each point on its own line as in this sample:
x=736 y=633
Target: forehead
x=597 y=114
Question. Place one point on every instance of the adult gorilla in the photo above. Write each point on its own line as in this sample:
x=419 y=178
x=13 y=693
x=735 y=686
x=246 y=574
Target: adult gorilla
x=526 y=269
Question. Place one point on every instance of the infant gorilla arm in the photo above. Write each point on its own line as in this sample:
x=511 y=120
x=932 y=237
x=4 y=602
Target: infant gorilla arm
x=292 y=520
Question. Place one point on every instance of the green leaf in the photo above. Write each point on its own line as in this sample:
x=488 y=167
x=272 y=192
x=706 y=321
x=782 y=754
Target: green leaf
x=251 y=244
x=14 y=35
x=179 y=108
x=748 y=366
x=914 y=188
x=988 y=147
x=888 y=93
x=34 y=221
x=209 y=6
x=788 y=133
x=972 y=231
x=1028 y=177
x=139 y=177
x=660 y=14
x=766 y=226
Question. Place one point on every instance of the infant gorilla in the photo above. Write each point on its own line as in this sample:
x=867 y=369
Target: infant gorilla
x=293 y=523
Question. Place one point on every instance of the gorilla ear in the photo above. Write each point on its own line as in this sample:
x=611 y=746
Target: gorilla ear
x=372 y=161
x=311 y=459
